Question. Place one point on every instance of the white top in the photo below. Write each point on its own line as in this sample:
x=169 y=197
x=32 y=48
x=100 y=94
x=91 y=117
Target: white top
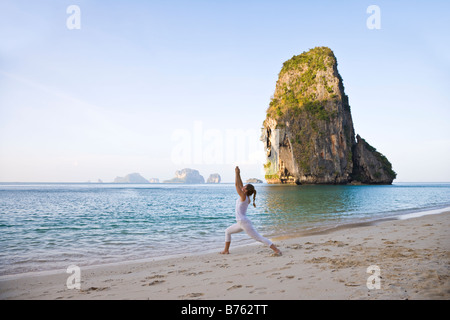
x=241 y=208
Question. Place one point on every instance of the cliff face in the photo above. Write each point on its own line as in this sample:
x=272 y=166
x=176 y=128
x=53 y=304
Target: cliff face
x=370 y=165
x=308 y=132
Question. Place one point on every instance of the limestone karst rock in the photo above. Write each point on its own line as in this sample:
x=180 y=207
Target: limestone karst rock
x=131 y=178
x=308 y=132
x=253 y=180
x=370 y=166
x=213 y=178
x=186 y=176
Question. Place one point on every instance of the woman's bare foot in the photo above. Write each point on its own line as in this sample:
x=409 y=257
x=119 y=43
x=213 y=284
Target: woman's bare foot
x=276 y=252
x=227 y=247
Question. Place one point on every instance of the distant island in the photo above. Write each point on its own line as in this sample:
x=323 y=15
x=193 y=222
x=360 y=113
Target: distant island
x=253 y=180
x=131 y=178
x=187 y=175
x=192 y=176
x=213 y=178
x=308 y=132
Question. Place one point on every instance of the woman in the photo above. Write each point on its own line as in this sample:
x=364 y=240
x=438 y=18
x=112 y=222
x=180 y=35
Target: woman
x=243 y=223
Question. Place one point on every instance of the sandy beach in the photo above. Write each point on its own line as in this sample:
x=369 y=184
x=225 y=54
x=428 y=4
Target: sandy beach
x=413 y=257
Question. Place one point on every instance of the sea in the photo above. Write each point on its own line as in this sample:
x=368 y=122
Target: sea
x=51 y=226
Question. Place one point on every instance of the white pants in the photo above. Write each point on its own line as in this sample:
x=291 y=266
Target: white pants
x=247 y=226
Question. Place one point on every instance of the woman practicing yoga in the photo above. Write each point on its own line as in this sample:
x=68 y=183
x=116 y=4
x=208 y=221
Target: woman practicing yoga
x=243 y=223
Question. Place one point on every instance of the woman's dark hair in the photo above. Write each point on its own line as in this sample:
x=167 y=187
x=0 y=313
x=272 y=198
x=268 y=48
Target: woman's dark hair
x=251 y=191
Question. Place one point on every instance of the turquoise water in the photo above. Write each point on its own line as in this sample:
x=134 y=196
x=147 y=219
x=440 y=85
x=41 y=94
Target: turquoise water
x=52 y=226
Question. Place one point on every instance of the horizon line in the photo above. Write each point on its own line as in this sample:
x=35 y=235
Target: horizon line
x=145 y=183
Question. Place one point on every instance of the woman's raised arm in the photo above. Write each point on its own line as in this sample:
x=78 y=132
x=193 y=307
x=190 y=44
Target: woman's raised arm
x=238 y=183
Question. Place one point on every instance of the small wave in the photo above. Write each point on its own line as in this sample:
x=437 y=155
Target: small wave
x=422 y=213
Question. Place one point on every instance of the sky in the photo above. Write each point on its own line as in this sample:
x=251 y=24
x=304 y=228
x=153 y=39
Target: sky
x=157 y=86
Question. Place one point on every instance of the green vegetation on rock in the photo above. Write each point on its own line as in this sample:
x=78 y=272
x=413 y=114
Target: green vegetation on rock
x=315 y=59
x=300 y=94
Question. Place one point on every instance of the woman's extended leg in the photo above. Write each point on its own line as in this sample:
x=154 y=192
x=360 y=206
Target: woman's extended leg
x=250 y=230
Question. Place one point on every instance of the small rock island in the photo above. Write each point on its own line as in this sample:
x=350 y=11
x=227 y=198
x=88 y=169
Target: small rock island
x=131 y=178
x=213 y=178
x=253 y=180
x=186 y=175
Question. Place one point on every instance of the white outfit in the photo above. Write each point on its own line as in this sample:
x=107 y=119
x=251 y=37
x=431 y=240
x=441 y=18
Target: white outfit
x=244 y=224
